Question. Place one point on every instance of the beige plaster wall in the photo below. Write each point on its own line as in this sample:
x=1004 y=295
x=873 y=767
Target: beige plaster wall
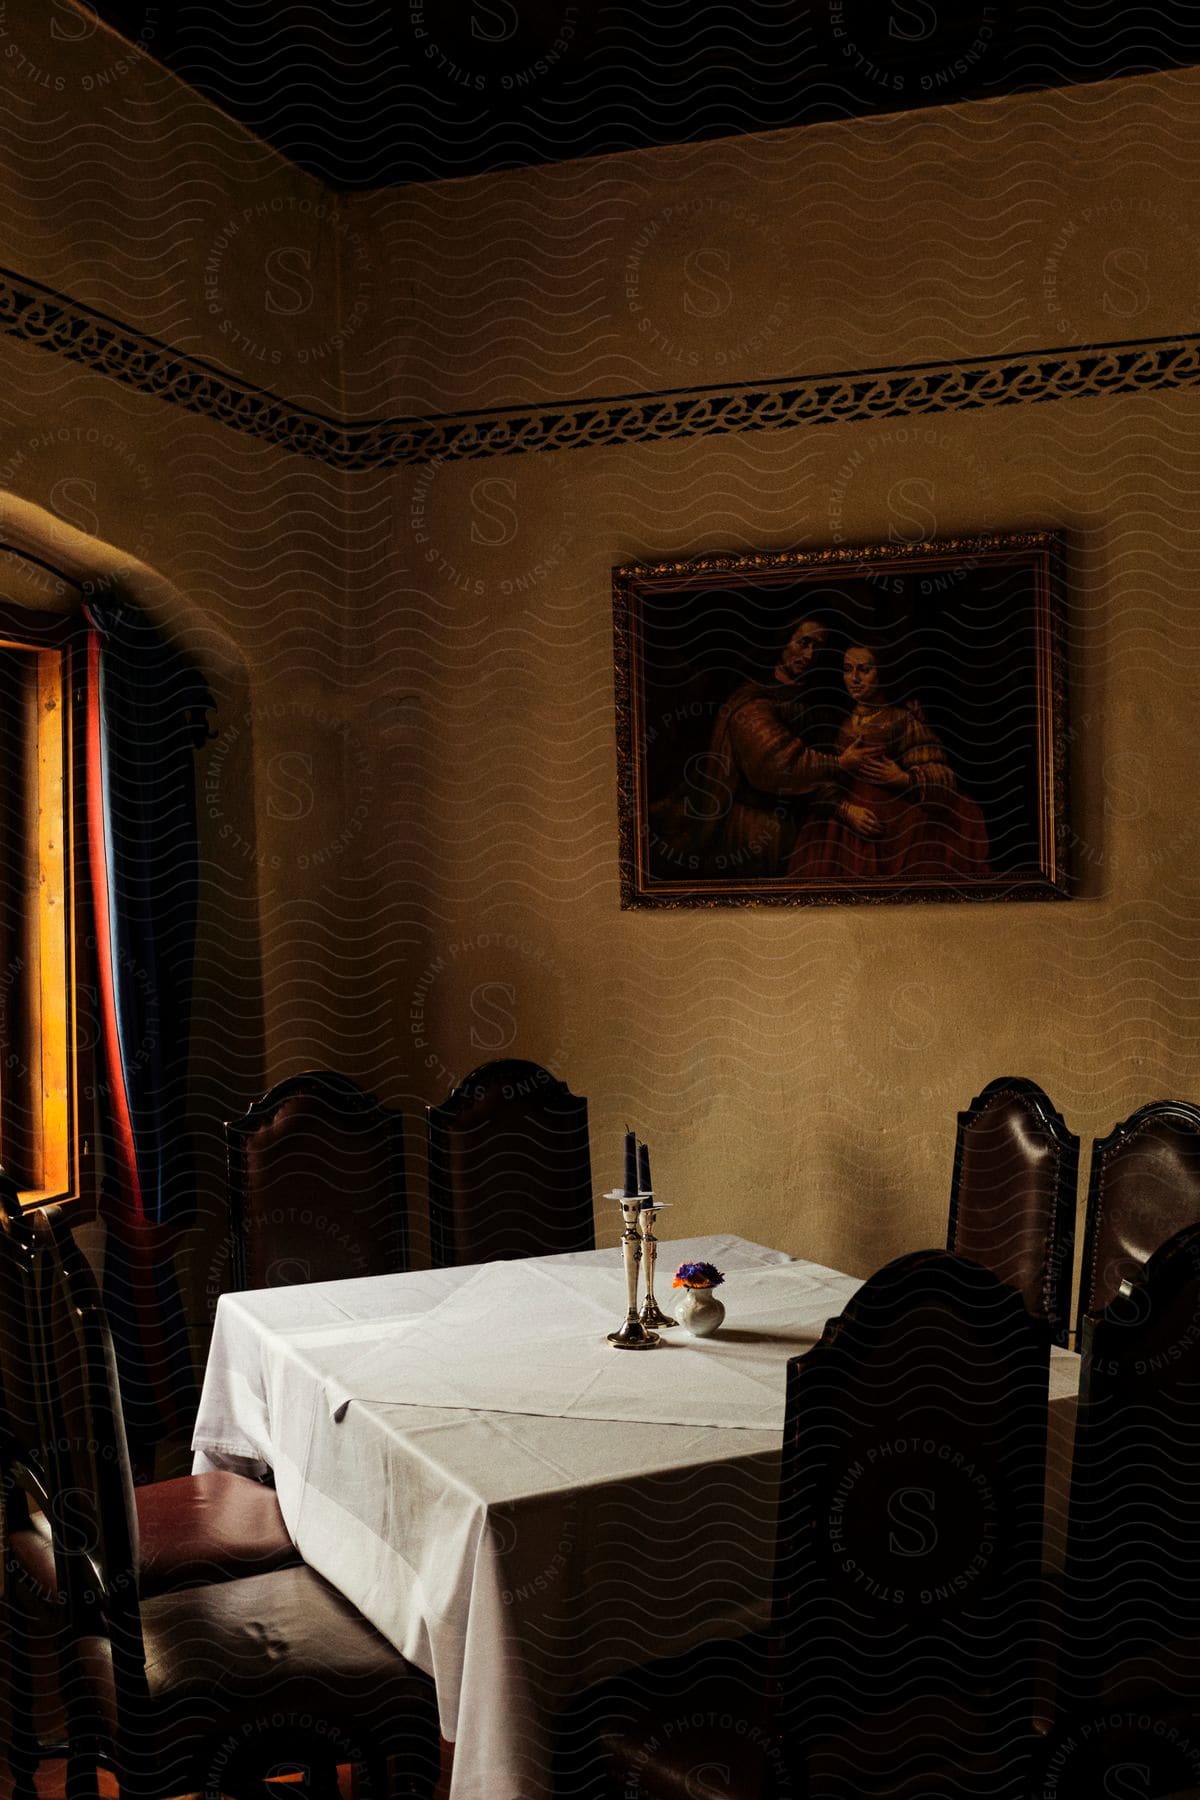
x=237 y=550
x=115 y=182
x=797 y=1071
x=409 y=811
x=1059 y=218
x=129 y=191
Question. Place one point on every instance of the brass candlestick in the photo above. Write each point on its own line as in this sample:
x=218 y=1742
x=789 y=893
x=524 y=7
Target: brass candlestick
x=632 y=1335
x=651 y=1315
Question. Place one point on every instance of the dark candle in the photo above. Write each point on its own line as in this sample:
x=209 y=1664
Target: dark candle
x=643 y=1165
x=631 y=1186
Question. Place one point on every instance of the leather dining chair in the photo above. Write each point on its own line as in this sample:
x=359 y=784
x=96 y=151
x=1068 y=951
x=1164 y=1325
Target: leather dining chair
x=1013 y=1195
x=1143 y=1187
x=1127 y=1655
x=30 y=1620
x=902 y=1657
x=509 y=1167
x=191 y=1530
x=208 y=1688
x=316 y=1185
x=909 y=1575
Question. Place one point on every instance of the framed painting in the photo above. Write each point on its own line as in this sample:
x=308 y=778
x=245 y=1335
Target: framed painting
x=876 y=724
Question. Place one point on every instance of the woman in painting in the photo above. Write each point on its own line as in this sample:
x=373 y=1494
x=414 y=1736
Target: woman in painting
x=904 y=815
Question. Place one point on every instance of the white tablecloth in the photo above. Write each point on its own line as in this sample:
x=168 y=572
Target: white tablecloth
x=516 y=1555
x=472 y=1350
x=513 y=1556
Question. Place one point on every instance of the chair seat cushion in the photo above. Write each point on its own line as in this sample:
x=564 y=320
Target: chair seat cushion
x=714 y=1752
x=696 y=1727
x=201 y=1529
x=281 y=1654
x=192 y=1532
x=703 y=1728
x=31 y=1568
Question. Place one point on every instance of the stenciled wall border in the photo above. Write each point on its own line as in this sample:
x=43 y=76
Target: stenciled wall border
x=52 y=322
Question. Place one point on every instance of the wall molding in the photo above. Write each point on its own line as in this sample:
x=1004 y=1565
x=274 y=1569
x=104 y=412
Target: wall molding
x=53 y=322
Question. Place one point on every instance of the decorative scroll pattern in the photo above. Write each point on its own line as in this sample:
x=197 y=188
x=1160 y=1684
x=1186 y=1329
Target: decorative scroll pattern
x=41 y=317
x=51 y=322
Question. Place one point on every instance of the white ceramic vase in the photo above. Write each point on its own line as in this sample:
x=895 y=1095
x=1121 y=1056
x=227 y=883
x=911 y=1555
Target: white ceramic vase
x=699 y=1312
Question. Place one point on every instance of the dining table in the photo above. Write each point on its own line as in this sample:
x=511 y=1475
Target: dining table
x=520 y=1509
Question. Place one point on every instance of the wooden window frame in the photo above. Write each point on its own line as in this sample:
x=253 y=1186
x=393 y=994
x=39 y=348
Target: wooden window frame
x=50 y=1047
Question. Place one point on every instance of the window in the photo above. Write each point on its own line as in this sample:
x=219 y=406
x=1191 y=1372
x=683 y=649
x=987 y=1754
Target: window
x=42 y=714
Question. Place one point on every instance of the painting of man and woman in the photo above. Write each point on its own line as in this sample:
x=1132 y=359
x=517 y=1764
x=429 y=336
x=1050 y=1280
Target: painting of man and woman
x=875 y=724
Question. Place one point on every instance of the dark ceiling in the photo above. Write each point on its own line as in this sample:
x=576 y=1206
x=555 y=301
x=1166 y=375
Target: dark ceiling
x=371 y=93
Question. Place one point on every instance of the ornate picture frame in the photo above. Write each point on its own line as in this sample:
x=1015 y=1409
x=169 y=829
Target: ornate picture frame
x=807 y=727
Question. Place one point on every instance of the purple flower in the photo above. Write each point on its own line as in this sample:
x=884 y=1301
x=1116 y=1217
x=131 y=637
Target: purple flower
x=698 y=1275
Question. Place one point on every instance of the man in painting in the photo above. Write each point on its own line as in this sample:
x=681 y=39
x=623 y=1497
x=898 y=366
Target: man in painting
x=742 y=800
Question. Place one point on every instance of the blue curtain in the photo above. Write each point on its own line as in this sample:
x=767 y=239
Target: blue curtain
x=147 y=715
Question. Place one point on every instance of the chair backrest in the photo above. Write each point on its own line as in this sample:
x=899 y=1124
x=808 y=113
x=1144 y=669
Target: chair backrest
x=1130 y=1640
x=92 y=1515
x=24 y=1463
x=1143 y=1187
x=910 y=1531
x=1013 y=1195
x=20 y=1437
x=509 y=1167
x=316 y=1185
